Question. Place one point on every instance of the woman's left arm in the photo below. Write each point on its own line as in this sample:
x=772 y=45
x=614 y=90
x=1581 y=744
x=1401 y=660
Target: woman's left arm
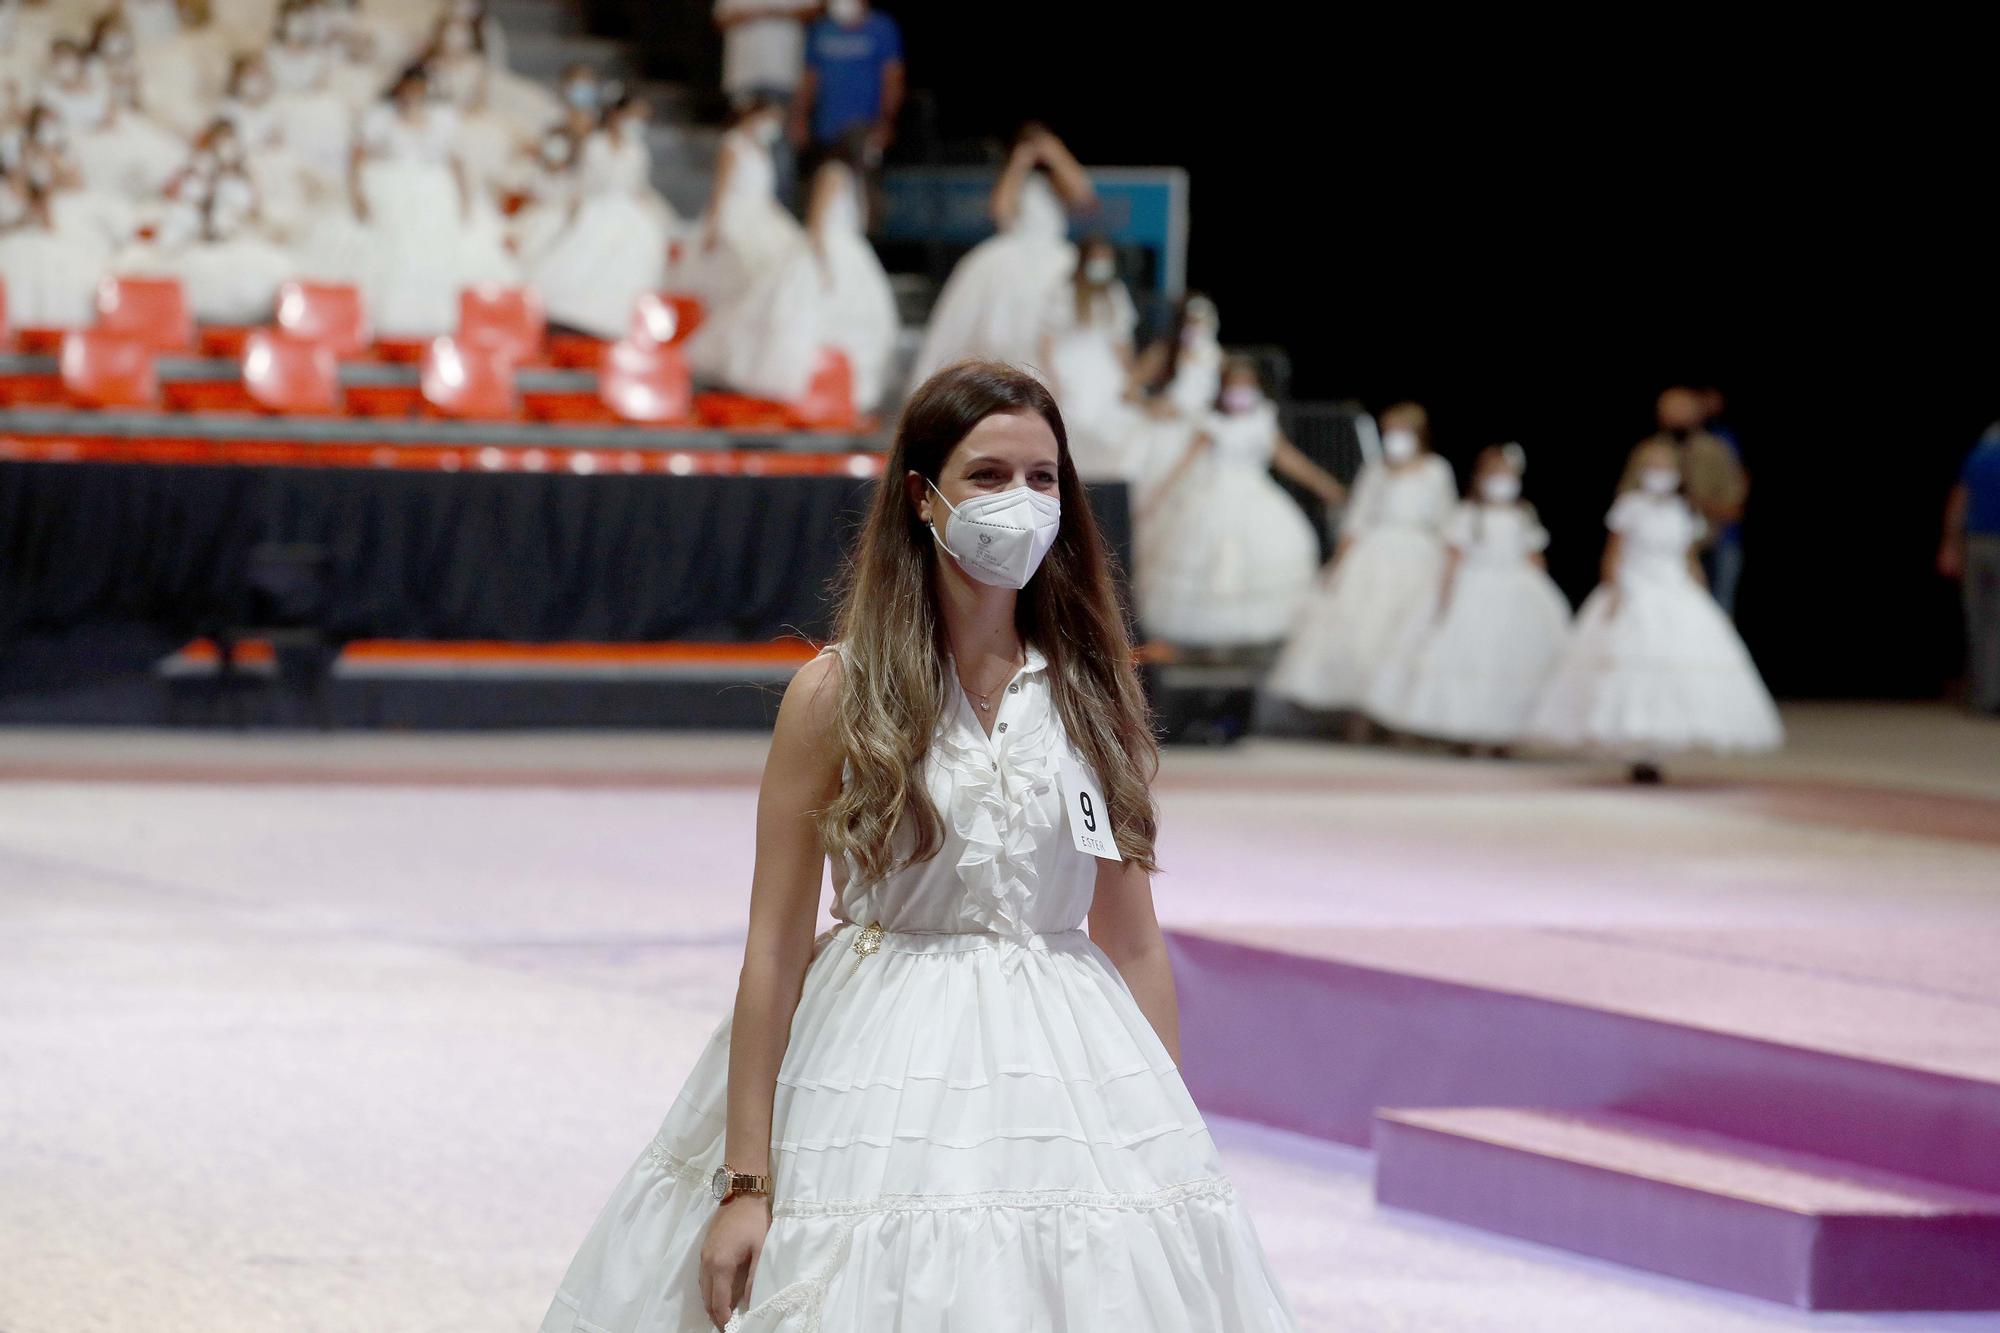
x=1122 y=924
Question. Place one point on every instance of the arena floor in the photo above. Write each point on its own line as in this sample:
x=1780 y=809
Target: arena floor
x=354 y=1032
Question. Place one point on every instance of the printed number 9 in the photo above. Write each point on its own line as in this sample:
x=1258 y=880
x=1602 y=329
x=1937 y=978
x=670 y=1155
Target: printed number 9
x=1089 y=815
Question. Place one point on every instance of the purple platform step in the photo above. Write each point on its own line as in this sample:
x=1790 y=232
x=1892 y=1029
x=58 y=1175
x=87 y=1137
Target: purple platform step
x=1867 y=1045
x=1784 y=1226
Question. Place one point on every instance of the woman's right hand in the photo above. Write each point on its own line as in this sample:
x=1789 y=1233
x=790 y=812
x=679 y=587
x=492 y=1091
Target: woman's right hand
x=729 y=1253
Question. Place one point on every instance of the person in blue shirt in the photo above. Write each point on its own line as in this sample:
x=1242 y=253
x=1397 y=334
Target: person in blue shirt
x=1970 y=553
x=852 y=90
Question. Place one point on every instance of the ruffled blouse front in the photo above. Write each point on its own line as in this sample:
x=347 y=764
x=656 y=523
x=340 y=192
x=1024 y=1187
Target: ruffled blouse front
x=1006 y=863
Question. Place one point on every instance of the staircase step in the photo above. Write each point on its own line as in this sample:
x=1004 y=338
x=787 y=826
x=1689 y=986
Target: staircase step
x=1746 y=1217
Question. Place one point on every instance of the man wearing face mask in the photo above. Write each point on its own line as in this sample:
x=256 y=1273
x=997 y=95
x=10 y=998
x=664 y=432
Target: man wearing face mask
x=1713 y=480
x=852 y=91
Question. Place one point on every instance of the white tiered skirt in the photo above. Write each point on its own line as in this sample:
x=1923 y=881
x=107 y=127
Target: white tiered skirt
x=969 y=1133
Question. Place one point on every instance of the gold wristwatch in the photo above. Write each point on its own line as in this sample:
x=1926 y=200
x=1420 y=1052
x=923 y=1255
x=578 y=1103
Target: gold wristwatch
x=726 y=1184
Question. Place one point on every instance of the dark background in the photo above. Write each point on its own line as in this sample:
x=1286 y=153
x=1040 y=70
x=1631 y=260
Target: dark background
x=1533 y=227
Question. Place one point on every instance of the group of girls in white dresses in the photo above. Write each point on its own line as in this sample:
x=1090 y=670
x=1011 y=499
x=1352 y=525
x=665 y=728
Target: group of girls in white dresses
x=779 y=295
x=1437 y=618
x=375 y=143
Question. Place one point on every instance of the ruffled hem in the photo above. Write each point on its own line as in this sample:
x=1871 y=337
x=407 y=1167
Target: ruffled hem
x=963 y=1123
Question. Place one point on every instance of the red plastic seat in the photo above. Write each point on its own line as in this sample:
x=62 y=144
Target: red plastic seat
x=326 y=312
x=664 y=318
x=105 y=369
x=287 y=374
x=150 y=310
x=829 y=400
x=645 y=382
x=509 y=317
x=461 y=379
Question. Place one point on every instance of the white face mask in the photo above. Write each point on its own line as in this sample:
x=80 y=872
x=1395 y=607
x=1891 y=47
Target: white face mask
x=1660 y=480
x=1500 y=488
x=49 y=134
x=844 y=11
x=1241 y=398
x=228 y=152
x=581 y=94
x=1001 y=537
x=1100 y=269
x=767 y=131
x=555 y=150
x=66 y=68
x=1399 y=446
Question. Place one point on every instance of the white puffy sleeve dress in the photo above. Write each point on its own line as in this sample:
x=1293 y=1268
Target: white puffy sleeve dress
x=975 y=1127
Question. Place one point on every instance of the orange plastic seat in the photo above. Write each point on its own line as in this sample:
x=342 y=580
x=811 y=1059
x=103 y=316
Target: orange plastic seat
x=105 y=369
x=150 y=310
x=508 y=317
x=576 y=351
x=645 y=382
x=461 y=379
x=325 y=312
x=287 y=374
x=223 y=340
x=665 y=318
x=829 y=400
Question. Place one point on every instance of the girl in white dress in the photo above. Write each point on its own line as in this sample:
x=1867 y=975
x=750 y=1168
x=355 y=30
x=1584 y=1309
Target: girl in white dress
x=960 y=1105
x=1086 y=354
x=51 y=274
x=831 y=292
x=1224 y=556
x=1653 y=666
x=127 y=152
x=229 y=268
x=74 y=90
x=613 y=248
x=1483 y=654
x=1175 y=381
x=318 y=123
x=285 y=190
x=415 y=237
x=1384 y=574
x=996 y=298
x=745 y=233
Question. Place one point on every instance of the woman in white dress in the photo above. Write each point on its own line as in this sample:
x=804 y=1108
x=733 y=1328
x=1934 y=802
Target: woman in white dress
x=1086 y=354
x=415 y=237
x=831 y=292
x=961 y=1104
x=1384 y=574
x=1224 y=557
x=744 y=233
x=230 y=269
x=545 y=181
x=74 y=89
x=1653 y=666
x=996 y=298
x=613 y=247
x=1481 y=658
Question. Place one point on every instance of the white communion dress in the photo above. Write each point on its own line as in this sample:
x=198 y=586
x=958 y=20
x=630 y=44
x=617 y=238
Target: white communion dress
x=993 y=303
x=1159 y=441
x=975 y=1126
x=752 y=231
x=612 y=249
x=1226 y=557
x=1087 y=370
x=1358 y=616
x=1474 y=668
x=1653 y=666
x=830 y=291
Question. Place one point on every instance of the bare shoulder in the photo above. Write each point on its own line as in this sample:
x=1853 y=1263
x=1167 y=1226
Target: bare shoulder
x=808 y=717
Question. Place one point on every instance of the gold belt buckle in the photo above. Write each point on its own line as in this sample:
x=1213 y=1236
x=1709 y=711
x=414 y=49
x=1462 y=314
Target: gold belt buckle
x=869 y=940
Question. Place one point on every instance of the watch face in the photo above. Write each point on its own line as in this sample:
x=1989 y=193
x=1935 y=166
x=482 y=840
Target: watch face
x=718 y=1184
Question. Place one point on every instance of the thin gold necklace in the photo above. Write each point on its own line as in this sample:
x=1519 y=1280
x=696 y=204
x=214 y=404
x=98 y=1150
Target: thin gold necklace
x=984 y=699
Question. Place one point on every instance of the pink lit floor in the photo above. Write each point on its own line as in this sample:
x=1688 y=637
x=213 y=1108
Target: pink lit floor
x=355 y=1032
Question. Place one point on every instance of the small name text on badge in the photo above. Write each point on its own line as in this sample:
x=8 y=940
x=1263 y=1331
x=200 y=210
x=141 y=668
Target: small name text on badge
x=1089 y=817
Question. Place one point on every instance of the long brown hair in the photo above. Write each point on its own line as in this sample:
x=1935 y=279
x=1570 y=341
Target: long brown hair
x=894 y=681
